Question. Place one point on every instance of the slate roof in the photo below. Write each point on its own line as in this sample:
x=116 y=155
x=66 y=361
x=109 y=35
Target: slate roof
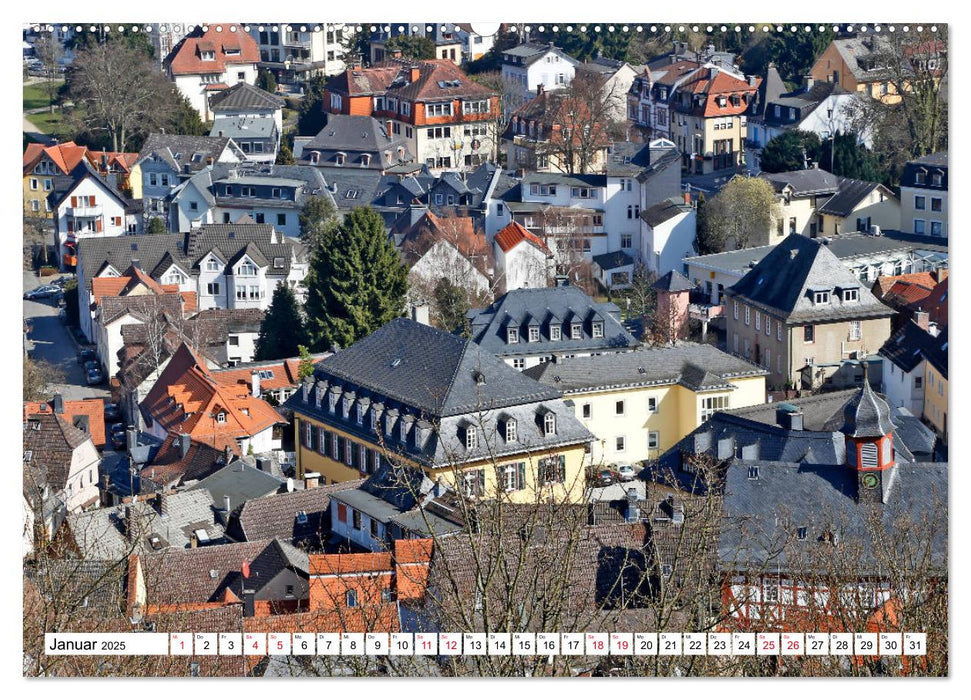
x=240 y=482
x=853 y=50
x=558 y=304
x=936 y=353
x=771 y=88
x=930 y=164
x=185 y=154
x=51 y=441
x=351 y=134
x=82 y=172
x=275 y=515
x=307 y=182
x=244 y=127
x=100 y=534
x=866 y=415
x=532 y=51
x=664 y=211
x=612 y=261
x=650 y=366
x=673 y=281
x=850 y=194
x=243 y=96
x=804 y=183
x=784 y=280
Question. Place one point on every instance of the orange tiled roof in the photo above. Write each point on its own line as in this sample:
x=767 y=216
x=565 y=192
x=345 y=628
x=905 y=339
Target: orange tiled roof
x=412 y=560
x=329 y=564
x=186 y=58
x=514 y=234
x=723 y=84
x=108 y=287
x=381 y=617
x=65 y=155
x=908 y=292
x=285 y=374
x=187 y=399
x=925 y=279
x=94 y=409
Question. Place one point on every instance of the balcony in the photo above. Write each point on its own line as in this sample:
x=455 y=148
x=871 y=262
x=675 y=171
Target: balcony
x=84 y=212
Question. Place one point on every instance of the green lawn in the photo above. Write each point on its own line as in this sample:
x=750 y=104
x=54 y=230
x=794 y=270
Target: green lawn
x=35 y=95
x=46 y=122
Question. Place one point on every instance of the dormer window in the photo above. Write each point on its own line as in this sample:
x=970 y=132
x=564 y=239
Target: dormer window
x=471 y=437
x=340 y=158
x=403 y=431
x=549 y=424
x=510 y=430
x=212 y=265
x=365 y=160
x=851 y=295
x=821 y=297
x=575 y=330
x=360 y=414
x=332 y=402
x=920 y=177
x=247 y=269
x=937 y=179
x=534 y=334
x=374 y=420
x=221 y=417
x=512 y=335
x=207 y=55
x=555 y=332
x=346 y=407
x=598 y=329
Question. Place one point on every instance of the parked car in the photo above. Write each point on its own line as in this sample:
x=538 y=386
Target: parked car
x=118 y=438
x=63 y=281
x=604 y=478
x=94 y=375
x=87 y=355
x=112 y=412
x=625 y=472
x=42 y=292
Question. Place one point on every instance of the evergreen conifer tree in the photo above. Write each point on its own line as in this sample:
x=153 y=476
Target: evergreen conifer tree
x=283 y=330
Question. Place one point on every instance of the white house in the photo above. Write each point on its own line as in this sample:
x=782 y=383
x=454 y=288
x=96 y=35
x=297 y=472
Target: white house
x=295 y=52
x=905 y=363
x=252 y=117
x=529 y=65
x=89 y=208
x=522 y=259
x=205 y=63
x=668 y=235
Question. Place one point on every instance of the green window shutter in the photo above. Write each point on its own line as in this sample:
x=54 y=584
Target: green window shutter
x=521 y=475
x=481 y=477
x=561 y=469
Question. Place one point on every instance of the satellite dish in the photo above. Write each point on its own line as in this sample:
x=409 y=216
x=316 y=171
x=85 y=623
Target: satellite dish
x=289 y=485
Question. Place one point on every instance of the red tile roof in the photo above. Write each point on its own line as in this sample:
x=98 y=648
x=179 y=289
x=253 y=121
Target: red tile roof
x=94 y=409
x=65 y=155
x=378 y=80
x=285 y=374
x=936 y=303
x=514 y=234
x=885 y=283
x=722 y=84
x=187 y=398
x=186 y=58
x=412 y=561
x=336 y=564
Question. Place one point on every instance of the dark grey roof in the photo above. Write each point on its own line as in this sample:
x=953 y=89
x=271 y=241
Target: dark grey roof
x=935 y=162
x=770 y=89
x=240 y=482
x=243 y=96
x=611 y=261
x=353 y=187
x=566 y=304
x=646 y=367
x=244 y=127
x=762 y=515
x=353 y=135
x=628 y=158
x=936 y=352
x=306 y=180
x=664 y=211
x=85 y=171
x=850 y=193
x=673 y=281
x=866 y=415
x=907 y=347
x=431 y=370
x=783 y=282
x=805 y=183
x=865 y=56
x=184 y=153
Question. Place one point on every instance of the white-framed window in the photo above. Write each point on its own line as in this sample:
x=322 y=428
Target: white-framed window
x=471 y=437
x=246 y=269
x=555 y=332
x=374 y=420
x=514 y=476
x=549 y=424
x=519 y=363
x=221 y=417
x=652 y=404
x=438 y=109
x=575 y=330
x=748 y=316
x=620 y=443
x=475 y=107
x=735 y=310
x=510 y=430
x=598 y=329
x=512 y=335
x=711 y=404
x=758 y=321
x=768 y=326
x=778 y=331
x=653 y=439
x=360 y=414
x=920 y=226
x=856 y=330
x=33 y=183
x=821 y=297
x=212 y=265
x=533 y=334
x=626 y=240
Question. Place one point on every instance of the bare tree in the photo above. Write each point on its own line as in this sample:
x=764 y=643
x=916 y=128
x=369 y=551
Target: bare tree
x=48 y=51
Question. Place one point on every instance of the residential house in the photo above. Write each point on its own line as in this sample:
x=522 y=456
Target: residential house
x=447 y=246
x=252 y=117
x=923 y=196
x=613 y=270
x=859 y=206
x=382 y=402
x=638 y=404
x=853 y=455
x=225 y=267
x=616 y=78
x=867 y=257
x=354 y=141
x=237 y=482
x=522 y=259
x=189 y=399
x=447 y=39
x=167 y=160
x=476 y=45
x=272 y=380
x=532 y=64
x=302 y=516
x=803 y=316
x=937 y=302
x=447 y=119
x=295 y=52
x=526 y=327
x=163 y=522
x=87 y=208
x=48 y=169
x=859 y=64
x=177 y=461
x=770 y=90
x=908 y=294
x=904 y=365
x=60 y=473
x=935 y=385
x=648 y=101
x=556 y=132
x=87 y=415
x=668 y=232
x=226 y=193
x=209 y=60
x=800 y=194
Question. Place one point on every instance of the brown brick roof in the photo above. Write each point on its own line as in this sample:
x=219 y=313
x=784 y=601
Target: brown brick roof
x=275 y=515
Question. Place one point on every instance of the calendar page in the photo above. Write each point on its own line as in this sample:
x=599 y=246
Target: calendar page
x=484 y=349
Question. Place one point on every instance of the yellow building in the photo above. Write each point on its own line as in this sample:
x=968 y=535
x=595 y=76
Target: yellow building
x=858 y=65
x=639 y=404
x=413 y=395
x=935 y=386
x=45 y=169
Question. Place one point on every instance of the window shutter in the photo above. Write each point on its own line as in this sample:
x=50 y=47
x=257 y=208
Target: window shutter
x=356 y=458
x=91 y=201
x=521 y=475
x=98 y=226
x=481 y=478
x=311 y=437
x=561 y=469
x=70 y=226
x=74 y=202
x=322 y=441
x=342 y=512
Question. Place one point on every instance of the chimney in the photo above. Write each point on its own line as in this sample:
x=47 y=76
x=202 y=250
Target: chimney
x=687 y=199
x=162 y=503
x=389 y=127
x=940 y=274
x=264 y=464
x=922 y=319
x=255 y=383
x=752 y=80
x=132 y=438
x=228 y=454
x=310 y=480
x=808 y=79
x=415 y=74
x=420 y=313
x=249 y=606
x=103 y=490
x=226 y=505
x=540 y=89
x=633 y=512
x=129 y=522
x=58 y=404
x=561 y=281
x=184 y=444
x=193 y=540
x=789 y=417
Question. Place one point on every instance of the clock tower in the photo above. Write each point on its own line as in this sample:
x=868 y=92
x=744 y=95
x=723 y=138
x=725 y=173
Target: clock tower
x=868 y=431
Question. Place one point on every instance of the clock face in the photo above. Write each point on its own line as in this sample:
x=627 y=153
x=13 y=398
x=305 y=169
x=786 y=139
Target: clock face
x=870 y=481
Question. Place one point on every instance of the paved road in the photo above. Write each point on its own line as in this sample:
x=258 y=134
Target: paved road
x=53 y=343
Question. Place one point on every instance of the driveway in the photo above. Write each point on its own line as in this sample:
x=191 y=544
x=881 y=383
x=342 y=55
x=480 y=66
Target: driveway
x=53 y=343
